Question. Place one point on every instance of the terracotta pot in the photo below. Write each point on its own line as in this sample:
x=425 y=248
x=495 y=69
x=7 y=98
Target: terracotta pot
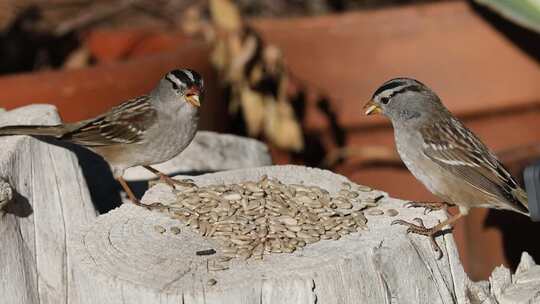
x=110 y=45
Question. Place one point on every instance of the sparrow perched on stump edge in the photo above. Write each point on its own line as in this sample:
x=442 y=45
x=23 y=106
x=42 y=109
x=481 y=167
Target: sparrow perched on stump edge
x=142 y=131
x=444 y=155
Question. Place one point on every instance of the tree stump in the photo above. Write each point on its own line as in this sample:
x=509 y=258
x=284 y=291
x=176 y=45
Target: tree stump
x=44 y=197
x=50 y=199
x=131 y=255
x=55 y=249
x=504 y=287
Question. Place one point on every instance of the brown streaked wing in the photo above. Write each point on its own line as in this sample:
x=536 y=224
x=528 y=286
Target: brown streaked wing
x=455 y=148
x=123 y=124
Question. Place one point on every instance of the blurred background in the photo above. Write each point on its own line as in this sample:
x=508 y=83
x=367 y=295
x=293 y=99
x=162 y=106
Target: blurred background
x=295 y=74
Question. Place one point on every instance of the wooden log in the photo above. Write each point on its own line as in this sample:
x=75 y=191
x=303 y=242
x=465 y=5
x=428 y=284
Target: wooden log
x=504 y=287
x=131 y=256
x=44 y=195
x=54 y=250
x=49 y=198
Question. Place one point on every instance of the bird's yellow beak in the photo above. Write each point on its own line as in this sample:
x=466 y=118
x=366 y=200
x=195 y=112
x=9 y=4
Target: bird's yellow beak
x=372 y=108
x=193 y=96
x=194 y=100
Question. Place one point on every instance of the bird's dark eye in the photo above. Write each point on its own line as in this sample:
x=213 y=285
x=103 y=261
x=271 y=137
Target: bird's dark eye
x=385 y=100
x=175 y=86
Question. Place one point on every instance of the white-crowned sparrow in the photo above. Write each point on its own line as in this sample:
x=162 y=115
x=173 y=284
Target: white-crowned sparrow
x=443 y=154
x=145 y=130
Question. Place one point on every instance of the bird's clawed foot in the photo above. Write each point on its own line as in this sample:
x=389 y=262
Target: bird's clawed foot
x=421 y=229
x=135 y=201
x=160 y=206
x=164 y=178
x=428 y=206
x=187 y=183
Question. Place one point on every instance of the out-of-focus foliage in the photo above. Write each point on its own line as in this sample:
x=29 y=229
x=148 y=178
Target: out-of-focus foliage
x=265 y=99
x=282 y=8
x=26 y=44
x=523 y=12
x=254 y=73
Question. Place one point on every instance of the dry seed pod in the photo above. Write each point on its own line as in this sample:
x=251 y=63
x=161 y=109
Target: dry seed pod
x=375 y=211
x=220 y=188
x=343 y=192
x=277 y=228
x=204 y=210
x=343 y=204
x=211 y=231
x=359 y=219
x=336 y=237
x=343 y=232
x=160 y=229
x=244 y=254
x=263 y=183
x=232 y=196
x=217 y=267
x=294 y=228
x=312 y=240
x=259 y=194
x=251 y=186
x=288 y=221
x=392 y=212
x=329 y=224
x=249 y=219
x=203 y=227
x=223 y=259
x=369 y=202
x=175 y=230
x=313 y=233
x=363 y=188
x=311 y=217
x=303 y=198
x=352 y=195
x=303 y=234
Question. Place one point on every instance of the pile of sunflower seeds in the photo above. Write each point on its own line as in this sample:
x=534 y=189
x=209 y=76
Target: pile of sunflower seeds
x=251 y=219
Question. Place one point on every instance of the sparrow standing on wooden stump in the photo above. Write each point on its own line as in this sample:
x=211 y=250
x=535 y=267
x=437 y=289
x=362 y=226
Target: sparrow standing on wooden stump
x=444 y=155
x=142 y=131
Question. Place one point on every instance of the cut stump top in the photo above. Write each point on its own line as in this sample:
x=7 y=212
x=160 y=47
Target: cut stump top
x=129 y=248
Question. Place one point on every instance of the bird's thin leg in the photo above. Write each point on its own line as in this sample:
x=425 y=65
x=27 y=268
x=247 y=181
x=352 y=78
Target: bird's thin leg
x=130 y=194
x=169 y=181
x=429 y=232
x=428 y=206
x=137 y=202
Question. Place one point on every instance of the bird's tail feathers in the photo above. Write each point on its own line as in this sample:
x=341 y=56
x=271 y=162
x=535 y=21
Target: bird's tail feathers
x=55 y=131
x=521 y=197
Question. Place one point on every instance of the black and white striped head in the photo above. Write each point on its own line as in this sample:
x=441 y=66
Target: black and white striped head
x=186 y=84
x=402 y=98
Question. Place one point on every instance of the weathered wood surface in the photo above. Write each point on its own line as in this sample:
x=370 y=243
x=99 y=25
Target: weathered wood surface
x=128 y=261
x=521 y=287
x=44 y=196
x=50 y=198
x=56 y=250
